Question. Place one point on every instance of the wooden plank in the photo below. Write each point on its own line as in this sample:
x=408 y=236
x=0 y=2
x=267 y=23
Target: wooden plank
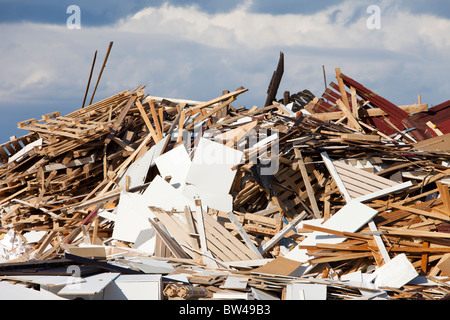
x=332 y=169
x=360 y=137
x=224 y=236
x=180 y=125
x=415 y=233
x=243 y=234
x=178 y=232
x=275 y=81
x=120 y=118
x=354 y=101
x=350 y=118
x=198 y=107
x=155 y=120
x=211 y=113
x=344 y=234
x=201 y=226
x=344 y=97
x=269 y=244
x=445 y=195
x=367 y=113
x=147 y=121
x=414 y=210
x=258 y=218
x=309 y=189
x=173 y=246
x=191 y=226
x=340 y=257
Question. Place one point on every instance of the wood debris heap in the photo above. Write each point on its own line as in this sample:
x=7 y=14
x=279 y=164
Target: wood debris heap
x=343 y=196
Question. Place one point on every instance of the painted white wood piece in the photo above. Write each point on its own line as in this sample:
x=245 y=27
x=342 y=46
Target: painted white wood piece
x=211 y=168
x=263 y=295
x=9 y=291
x=25 y=150
x=380 y=244
x=249 y=263
x=137 y=171
x=306 y=291
x=132 y=217
x=396 y=273
x=50 y=281
x=162 y=195
x=92 y=285
x=383 y=192
x=135 y=287
x=221 y=202
x=174 y=163
x=34 y=236
x=233 y=282
x=150 y=265
x=385 y=186
x=349 y=218
x=335 y=175
x=232 y=296
x=362 y=281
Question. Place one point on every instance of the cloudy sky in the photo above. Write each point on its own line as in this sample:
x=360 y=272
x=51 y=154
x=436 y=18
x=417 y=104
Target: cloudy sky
x=196 y=49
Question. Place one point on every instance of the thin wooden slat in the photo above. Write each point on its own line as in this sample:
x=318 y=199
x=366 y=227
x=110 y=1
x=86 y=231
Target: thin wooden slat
x=309 y=190
x=229 y=239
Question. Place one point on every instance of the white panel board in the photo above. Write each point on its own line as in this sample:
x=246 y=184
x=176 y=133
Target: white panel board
x=174 y=163
x=138 y=170
x=306 y=291
x=51 y=281
x=396 y=273
x=221 y=202
x=135 y=287
x=233 y=282
x=9 y=291
x=132 y=217
x=350 y=218
x=162 y=195
x=92 y=285
x=211 y=168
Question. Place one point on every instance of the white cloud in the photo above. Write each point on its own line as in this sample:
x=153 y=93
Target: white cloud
x=184 y=52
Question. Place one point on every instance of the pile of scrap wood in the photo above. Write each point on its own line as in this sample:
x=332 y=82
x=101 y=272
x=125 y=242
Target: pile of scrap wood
x=339 y=197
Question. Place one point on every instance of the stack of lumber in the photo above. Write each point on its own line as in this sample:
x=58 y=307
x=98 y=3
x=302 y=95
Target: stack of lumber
x=337 y=197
